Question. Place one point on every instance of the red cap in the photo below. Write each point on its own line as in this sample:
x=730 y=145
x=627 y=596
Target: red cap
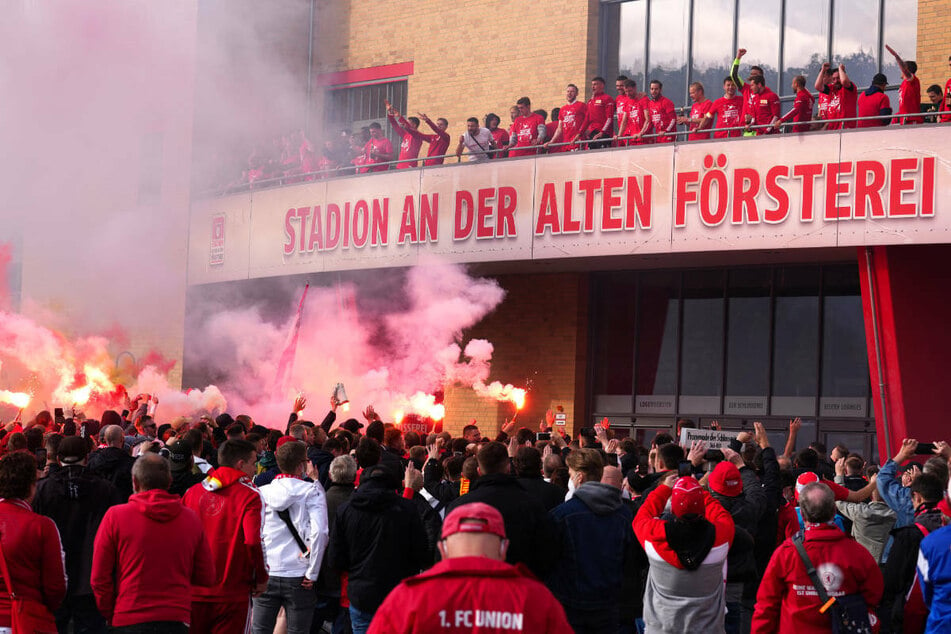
x=687 y=498
x=285 y=439
x=726 y=480
x=475 y=517
x=805 y=478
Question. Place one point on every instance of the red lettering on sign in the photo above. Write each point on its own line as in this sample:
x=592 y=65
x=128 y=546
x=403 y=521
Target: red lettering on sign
x=548 y=212
x=345 y=225
x=745 y=191
x=836 y=188
x=713 y=217
x=807 y=173
x=408 y=222
x=315 y=243
x=484 y=213
x=379 y=233
x=589 y=187
x=464 y=216
x=360 y=223
x=333 y=227
x=429 y=218
x=303 y=213
x=927 y=186
x=684 y=196
x=777 y=194
x=609 y=201
x=869 y=193
x=508 y=202
x=570 y=225
x=638 y=203
x=289 y=233
x=900 y=185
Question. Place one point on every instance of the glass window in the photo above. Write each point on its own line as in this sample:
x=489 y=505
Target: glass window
x=805 y=41
x=701 y=364
x=657 y=329
x=759 y=35
x=614 y=308
x=669 y=25
x=901 y=33
x=844 y=352
x=747 y=340
x=712 y=44
x=796 y=342
x=633 y=34
x=853 y=24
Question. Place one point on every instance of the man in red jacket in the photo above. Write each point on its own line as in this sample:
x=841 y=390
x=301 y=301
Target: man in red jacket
x=231 y=511
x=787 y=601
x=134 y=584
x=472 y=589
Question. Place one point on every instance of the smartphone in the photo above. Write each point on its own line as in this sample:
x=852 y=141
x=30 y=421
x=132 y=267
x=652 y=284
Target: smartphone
x=924 y=449
x=685 y=469
x=543 y=435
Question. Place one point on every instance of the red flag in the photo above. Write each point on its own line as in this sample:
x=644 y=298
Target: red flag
x=286 y=363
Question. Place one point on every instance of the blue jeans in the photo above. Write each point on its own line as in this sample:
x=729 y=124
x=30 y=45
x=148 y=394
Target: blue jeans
x=298 y=604
x=360 y=621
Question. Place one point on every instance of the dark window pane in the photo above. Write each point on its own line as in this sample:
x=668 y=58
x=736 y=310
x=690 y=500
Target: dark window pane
x=633 y=34
x=901 y=33
x=701 y=372
x=669 y=25
x=844 y=353
x=712 y=44
x=747 y=342
x=855 y=41
x=657 y=334
x=759 y=35
x=806 y=41
x=614 y=307
x=796 y=342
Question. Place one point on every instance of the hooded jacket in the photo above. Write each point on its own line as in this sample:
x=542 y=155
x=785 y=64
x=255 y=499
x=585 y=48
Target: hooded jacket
x=337 y=495
x=232 y=514
x=148 y=554
x=379 y=540
x=307 y=506
x=76 y=501
x=589 y=573
x=934 y=572
x=115 y=465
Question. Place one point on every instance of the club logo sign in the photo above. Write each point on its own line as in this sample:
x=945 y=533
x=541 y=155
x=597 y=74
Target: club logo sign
x=217 y=254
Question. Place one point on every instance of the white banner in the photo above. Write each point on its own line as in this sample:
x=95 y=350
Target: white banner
x=853 y=188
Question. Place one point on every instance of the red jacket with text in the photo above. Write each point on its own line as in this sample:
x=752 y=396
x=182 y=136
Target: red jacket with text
x=787 y=601
x=232 y=513
x=134 y=580
x=474 y=595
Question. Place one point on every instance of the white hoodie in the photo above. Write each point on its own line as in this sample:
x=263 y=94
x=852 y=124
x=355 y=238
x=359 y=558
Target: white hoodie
x=308 y=510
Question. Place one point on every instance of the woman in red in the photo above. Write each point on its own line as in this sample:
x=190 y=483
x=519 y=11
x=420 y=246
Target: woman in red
x=31 y=545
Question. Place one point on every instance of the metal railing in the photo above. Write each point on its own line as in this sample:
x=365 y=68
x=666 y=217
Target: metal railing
x=671 y=137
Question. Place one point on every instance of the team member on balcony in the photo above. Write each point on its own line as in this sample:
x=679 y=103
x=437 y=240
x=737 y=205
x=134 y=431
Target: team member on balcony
x=946 y=100
x=728 y=110
x=600 y=126
x=764 y=111
x=746 y=89
x=478 y=141
x=697 y=120
x=377 y=150
x=843 y=93
x=528 y=129
x=909 y=93
x=438 y=141
x=661 y=117
x=572 y=122
x=412 y=138
x=499 y=135
x=874 y=102
x=632 y=115
x=801 y=111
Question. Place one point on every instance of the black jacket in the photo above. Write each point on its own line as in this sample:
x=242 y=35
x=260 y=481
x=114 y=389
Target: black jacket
x=114 y=465
x=379 y=540
x=442 y=490
x=529 y=529
x=321 y=460
x=328 y=582
x=183 y=480
x=545 y=492
x=76 y=500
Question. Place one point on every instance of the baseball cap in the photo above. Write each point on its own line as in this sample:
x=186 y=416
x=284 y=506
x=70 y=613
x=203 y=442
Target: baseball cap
x=687 y=498
x=475 y=517
x=72 y=450
x=726 y=480
x=805 y=479
x=179 y=454
x=284 y=440
x=352 y=425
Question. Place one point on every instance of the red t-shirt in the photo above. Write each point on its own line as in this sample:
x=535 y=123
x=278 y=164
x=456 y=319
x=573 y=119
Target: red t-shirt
x=380 y=146
x=501 y=138
x=945 y=107
x=636 y=110
x=525 y=130
x=801 y=111
x=663 y=118
x=729 y=113
x=749 y=100
x=409 y=146
x=764 y=109
x=871 y=105
x=909 y=100
x=574 y=119
x=601 y=112
x=823 y=106
x=842 y=105
x=699 y=111
x=550 y=128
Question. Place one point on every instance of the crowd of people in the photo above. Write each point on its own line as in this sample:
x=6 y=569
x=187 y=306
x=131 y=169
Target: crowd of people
x=222 y=525
x=630 y=117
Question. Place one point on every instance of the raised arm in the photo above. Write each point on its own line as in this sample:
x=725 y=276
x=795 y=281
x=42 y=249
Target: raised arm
x=905 y=74
x=735 y=69
x=820 y=78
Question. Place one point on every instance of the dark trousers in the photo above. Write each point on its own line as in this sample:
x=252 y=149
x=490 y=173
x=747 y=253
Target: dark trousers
x=155 y=627
x=84 y=615
x=297 y=602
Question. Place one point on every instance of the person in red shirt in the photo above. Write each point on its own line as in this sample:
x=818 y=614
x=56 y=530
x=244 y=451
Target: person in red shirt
x=572 y=122
x=822 y=110
x=438 y=141
x=801 y=112
x=632 y=115
x=499 y=135
x=909 y=93
x=698 y=113
x=661 y=116
x=231 y=511
x=600 y=127
x=787 y=601
x=874 y=102
x=843 y=93
x=946 y=100
x=408 y=131
x=377 y=150
x=749 y=96
x=124 y=568
x=619 y=86
x=728 y=110
x=472 y=589
x=764 y=108
x=552 y=125
x=528 y=130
